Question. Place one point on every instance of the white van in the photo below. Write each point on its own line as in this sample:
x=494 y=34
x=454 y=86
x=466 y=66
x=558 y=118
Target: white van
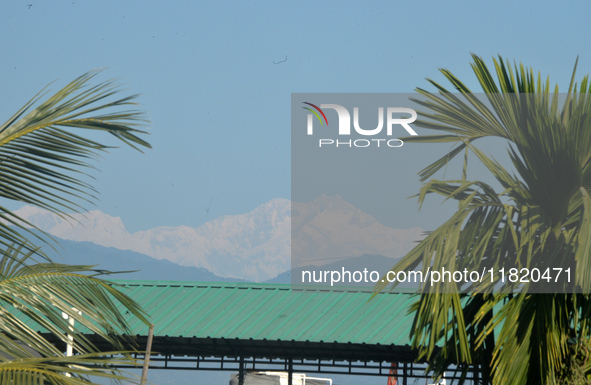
x=278 y=378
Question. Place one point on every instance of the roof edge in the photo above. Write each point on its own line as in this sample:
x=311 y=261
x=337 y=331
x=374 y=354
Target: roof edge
x=256 y=285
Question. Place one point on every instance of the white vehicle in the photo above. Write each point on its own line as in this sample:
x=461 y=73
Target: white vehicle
x=278 y=378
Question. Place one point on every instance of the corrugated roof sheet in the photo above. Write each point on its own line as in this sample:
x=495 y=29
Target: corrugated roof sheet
x=271 y=312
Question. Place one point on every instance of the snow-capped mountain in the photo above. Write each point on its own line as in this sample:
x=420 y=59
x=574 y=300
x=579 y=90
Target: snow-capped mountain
x=255 y=246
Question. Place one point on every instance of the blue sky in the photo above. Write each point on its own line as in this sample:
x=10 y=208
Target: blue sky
x=220 y=107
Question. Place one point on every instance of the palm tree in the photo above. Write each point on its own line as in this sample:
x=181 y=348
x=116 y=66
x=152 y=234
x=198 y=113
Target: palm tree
x=44 y=158
x=540 y=220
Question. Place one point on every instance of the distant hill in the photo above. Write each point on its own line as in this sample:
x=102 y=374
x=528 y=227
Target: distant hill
x=110 y=258
x=148 y=268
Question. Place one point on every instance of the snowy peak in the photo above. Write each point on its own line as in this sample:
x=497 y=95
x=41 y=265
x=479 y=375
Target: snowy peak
x=330 y=228
x=94 y=226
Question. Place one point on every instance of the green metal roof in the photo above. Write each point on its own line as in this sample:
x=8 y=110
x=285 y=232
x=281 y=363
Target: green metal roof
x=271 y=321
x=271 y=312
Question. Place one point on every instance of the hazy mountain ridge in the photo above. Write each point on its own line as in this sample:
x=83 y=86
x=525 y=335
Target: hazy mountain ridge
x=136 y=265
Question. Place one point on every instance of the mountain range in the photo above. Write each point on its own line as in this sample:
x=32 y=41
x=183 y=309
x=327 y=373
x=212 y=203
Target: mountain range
x=254 y=246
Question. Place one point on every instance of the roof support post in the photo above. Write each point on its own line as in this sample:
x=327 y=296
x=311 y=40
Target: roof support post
x=290 y=372
x=241 y=371
x=405 y=374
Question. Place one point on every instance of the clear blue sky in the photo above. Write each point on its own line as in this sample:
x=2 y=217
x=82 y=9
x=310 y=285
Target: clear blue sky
x=219 y=106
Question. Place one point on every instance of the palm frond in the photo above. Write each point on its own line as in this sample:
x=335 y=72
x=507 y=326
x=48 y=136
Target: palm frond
x=42 y=293
x=540 y=220
x=73 y=370
x=43 y=161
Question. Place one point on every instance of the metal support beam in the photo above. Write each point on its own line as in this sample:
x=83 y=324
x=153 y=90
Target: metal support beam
x=241 y=372
x=405 y=374
x=288 y=364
